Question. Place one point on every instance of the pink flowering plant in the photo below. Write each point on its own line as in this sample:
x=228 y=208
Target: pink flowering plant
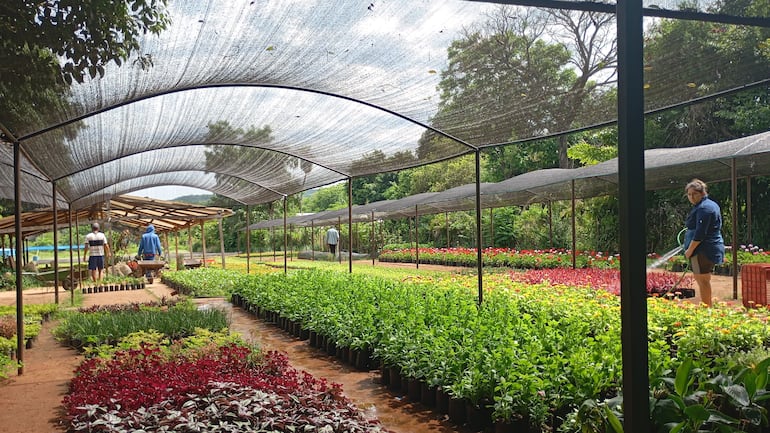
x=504 y=257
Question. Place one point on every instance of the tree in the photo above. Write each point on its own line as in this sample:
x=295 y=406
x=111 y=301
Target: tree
x=86 y=34
x=328 y=198
x=518 y=56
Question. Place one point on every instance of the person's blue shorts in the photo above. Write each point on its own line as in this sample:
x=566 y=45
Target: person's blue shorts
x=95 y=262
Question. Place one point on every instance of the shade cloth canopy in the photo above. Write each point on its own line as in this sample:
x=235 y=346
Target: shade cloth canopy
x=259 y=100
x=664 y=169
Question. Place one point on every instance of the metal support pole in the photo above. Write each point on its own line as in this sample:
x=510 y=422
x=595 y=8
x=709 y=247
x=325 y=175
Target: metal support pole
x=631 y=194
x=189 y=241
x=248 y=241
x=734 y=217
x=350 y=225
x=312 y=240
x=285 y=238
x=339 y=253
x=17 y=229
x=72 y=262
x=77 y=241
x=479 y=260
x=416 y=238
x=272 y=233
x=55 y=245
x=748 y=210
x=574 y=231
x=373 y=240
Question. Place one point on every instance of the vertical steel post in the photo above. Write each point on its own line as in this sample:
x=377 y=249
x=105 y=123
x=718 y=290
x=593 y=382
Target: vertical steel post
x=339 y=243
x=78 y=281
x=55 y=245
x=416 y=238
x=248 y=241
x=285 y=238
x=631 y=194
x=176 y=250
x=574 y=230
x=734 y=217
x=72 y=262
x=373 y=240
x=17 y=262
x=312 y=240
x=479 y=262
x=748 y=210
x=350 y=225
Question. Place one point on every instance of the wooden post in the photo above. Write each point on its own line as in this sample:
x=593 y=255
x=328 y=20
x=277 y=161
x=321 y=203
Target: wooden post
x=221 y=241
x=203 y=244
x=189 y=240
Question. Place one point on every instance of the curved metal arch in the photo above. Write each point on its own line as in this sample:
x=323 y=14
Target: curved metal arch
x=278 y=193
x=263 y=85
x=175 y=146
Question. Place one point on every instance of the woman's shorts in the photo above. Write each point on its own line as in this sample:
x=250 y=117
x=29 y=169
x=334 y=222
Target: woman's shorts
x=700 y=264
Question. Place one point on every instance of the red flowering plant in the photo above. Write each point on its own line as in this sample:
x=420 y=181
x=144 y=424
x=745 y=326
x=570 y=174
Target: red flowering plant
x=658 y=283
x=504 y=257
x=146 y=387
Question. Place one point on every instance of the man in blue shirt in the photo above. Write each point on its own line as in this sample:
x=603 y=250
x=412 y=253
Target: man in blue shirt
x=149 y=246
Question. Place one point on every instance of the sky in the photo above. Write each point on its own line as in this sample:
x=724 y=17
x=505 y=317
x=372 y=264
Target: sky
x=168 y=192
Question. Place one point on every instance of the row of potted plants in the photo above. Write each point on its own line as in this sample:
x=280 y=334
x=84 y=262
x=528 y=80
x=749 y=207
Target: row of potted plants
x=205 y=381
x=530 y=354
x=502 y=257
x=34 y=317
x=108 y=324
x=114 y=284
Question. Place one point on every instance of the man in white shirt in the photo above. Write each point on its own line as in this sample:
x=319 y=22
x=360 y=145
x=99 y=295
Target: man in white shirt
x=332 y=238
x=96 y=248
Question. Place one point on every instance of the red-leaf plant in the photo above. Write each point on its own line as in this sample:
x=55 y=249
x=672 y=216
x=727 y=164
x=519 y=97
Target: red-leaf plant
x=146 y=384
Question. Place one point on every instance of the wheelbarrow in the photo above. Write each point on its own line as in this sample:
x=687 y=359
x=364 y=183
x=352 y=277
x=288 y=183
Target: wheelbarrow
x=150 y=268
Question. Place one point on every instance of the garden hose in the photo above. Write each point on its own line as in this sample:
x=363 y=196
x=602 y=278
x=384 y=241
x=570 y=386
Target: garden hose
x=686 y=265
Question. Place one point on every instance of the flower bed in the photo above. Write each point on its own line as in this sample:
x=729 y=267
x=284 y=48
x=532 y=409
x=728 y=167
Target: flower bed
x=210 y=387
x=503 y=257
x=658 y=283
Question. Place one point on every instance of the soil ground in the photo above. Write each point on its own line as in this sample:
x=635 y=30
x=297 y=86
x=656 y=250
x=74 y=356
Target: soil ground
x=31 y=402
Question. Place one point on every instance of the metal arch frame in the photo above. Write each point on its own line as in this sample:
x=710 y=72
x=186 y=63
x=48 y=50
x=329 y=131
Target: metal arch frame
x=176 y=146
x=610 y=8
x=228 y=85
x=75 y=200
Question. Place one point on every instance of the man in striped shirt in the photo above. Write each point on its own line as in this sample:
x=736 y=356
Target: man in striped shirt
x=96 y=248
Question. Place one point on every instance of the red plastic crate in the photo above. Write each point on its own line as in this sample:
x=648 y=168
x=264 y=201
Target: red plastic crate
x=754 y=279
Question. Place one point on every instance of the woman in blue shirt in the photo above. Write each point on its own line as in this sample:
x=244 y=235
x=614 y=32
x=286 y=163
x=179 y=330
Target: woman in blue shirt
x=703 y=243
